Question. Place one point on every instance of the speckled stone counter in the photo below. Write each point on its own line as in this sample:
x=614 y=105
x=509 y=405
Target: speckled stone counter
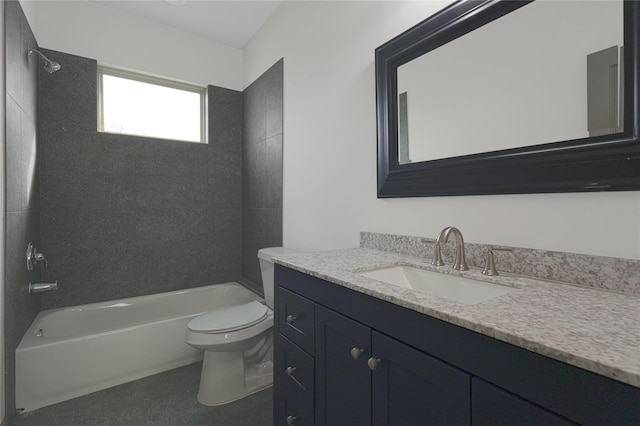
x=597 y=330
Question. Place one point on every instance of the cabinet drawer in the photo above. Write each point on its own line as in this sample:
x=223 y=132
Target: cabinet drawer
x=294 y=380
x=294 y=409
x=492 y=406
x=295 y=319
x=296 y=368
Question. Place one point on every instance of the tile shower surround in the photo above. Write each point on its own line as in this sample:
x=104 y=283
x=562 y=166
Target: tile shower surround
x=599 y=272
x=261 y=171
x=124 y=216
x=22 y=186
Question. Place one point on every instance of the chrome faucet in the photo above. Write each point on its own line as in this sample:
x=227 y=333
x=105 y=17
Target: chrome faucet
x=33 y=257
x=461 y=263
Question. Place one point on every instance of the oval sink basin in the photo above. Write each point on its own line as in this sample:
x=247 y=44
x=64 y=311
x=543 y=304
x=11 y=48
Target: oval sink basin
x=451 y=287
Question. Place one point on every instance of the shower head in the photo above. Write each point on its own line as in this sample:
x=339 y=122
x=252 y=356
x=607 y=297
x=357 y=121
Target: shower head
x=49 y=65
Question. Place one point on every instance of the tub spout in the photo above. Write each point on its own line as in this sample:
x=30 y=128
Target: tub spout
x=38 y=287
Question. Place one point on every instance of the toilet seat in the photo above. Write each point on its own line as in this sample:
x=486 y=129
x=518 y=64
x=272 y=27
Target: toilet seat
x=229 y=318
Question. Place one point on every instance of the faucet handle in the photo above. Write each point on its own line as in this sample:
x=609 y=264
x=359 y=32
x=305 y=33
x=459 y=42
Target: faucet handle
x=39 y=258
x=489 y=264
x=437 y=254
x=34 y=257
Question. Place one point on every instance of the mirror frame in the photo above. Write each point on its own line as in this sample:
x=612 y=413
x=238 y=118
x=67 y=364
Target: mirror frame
x=602 y=163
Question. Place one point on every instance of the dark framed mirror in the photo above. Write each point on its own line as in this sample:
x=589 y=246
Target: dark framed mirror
x=459 y=146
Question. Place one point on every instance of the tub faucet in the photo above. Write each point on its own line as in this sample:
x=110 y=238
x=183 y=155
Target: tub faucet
x=461 y=263
x=39 y=287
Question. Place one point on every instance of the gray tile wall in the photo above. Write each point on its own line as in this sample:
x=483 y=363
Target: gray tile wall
x=262 y=170
x=22 y=186
x=125 y=216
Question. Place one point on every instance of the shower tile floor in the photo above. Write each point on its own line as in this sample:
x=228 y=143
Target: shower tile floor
x=165 y=399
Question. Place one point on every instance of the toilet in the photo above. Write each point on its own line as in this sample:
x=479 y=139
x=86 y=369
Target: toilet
x=238 y=342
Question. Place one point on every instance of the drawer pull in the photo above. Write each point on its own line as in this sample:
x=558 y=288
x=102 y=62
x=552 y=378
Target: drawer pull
x=291 y=318
x=356 y=352
x=290 y=420
x=290 y=371
x=374 y=363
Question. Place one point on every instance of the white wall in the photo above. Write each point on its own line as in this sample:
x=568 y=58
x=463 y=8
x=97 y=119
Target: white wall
x=89 y=29
x=330 y=147
x=29 y=9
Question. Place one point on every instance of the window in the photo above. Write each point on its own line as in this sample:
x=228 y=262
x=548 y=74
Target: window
x=136 y=104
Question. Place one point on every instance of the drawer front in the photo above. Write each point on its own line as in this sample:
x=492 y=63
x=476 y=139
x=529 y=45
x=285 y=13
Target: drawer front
x=294 y=409
x=294 y=384
x=296 y=368
x=295 y=319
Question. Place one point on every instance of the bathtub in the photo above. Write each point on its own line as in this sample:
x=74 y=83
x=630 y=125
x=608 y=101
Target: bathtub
x=74 y=351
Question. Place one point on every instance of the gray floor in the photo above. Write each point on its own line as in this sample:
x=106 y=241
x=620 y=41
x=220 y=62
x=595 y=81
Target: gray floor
x=167 y=399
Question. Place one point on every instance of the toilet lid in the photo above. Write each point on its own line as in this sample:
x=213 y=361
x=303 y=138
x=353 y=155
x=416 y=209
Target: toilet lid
x=229 y=318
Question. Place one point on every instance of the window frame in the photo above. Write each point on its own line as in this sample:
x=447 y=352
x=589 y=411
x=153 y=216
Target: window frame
x=158 y=81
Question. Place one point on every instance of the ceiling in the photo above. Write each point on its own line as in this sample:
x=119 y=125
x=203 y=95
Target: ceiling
x=230 y=22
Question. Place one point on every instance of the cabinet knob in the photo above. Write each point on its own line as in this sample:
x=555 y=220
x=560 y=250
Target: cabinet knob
x=290 y=371
x=290 y=420
x=291 y=318
x=374 y=363
x=356 y=352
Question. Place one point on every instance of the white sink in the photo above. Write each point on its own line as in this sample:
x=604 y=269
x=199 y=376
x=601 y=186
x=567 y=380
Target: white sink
x=459 y=289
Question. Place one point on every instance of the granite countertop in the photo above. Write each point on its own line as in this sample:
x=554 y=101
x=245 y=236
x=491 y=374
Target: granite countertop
x=597 y=330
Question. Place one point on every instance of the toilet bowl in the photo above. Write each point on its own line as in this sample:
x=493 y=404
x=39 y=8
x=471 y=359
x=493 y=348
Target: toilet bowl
x=237 y=351
x=238 y=343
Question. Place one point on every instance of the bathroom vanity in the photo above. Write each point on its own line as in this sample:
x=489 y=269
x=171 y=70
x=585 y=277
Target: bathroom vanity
x=350 y=350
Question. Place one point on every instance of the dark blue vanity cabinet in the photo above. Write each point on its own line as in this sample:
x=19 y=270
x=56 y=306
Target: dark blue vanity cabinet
x=364 y=377
x=346 y=358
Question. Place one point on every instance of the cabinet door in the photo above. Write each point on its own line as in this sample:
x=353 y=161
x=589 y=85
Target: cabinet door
x=343 y=381
x=413 y=388
x=493 y=406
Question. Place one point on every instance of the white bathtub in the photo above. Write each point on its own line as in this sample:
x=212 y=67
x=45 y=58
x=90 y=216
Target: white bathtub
x=74 y=351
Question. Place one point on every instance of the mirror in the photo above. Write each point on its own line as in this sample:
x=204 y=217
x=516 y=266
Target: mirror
x=496 y=97
x=526 y=89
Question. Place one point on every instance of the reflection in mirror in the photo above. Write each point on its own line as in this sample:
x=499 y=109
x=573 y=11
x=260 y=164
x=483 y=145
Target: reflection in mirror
x=546 y=72
x=605 y=97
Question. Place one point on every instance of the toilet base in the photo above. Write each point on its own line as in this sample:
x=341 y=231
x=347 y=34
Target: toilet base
x=225 y=379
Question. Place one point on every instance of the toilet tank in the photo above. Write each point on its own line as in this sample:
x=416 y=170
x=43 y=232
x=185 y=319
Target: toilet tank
x=265 y=256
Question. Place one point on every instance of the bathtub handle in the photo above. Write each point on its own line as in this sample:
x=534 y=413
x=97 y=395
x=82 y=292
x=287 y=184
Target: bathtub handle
x=33 y=257
x=39 y=287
